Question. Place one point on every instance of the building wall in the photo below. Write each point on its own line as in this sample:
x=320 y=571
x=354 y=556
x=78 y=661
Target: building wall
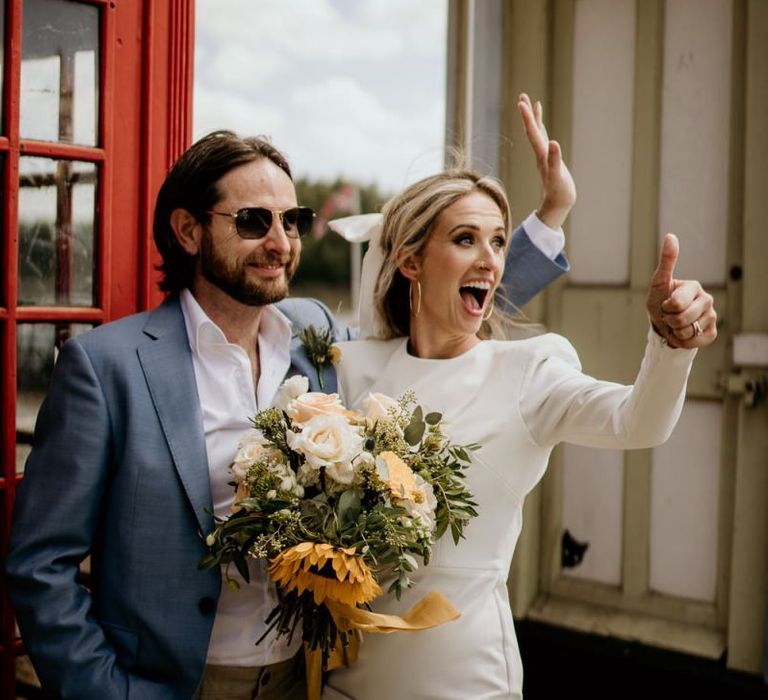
x=657 y=105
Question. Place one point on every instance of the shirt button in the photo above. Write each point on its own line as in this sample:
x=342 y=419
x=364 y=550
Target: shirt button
x=206 y=605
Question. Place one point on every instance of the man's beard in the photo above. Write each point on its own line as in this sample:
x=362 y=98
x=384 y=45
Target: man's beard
x=232 y=278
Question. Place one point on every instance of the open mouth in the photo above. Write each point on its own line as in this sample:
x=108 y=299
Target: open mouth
x=474 y=296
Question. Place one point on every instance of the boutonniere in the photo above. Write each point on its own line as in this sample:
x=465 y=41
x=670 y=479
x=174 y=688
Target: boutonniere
x=318 y=344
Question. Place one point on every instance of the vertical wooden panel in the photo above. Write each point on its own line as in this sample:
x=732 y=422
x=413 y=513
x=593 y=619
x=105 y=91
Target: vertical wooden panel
x=755 y=312
x=684 y=505
x=525 y=52
x=458 y=67
x=486 y=86
x=526 y=59
x=748 y=606
x=593 y=493
x=604 y=42
x=749 y=565
x=696 y=134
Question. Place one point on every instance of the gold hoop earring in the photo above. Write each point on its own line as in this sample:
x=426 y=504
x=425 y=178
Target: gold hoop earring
x=410 y=298
x=490 y=313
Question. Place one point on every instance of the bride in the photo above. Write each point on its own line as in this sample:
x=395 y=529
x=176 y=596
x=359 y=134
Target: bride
x=441 y=246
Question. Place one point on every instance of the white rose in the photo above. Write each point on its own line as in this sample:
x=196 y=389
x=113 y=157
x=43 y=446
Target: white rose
x=290 y=389
x=422 y=502
x=314 y=403
x=379 y=406
x=327 y=441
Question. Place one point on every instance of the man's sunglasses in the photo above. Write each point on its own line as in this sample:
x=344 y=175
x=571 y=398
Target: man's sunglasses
x=255 y=222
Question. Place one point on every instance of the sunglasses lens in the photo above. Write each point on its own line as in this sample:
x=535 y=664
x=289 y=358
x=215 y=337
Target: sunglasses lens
x=253 y=222
x=303 y=217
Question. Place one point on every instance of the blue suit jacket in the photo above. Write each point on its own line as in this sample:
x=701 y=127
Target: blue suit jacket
x=119 y=471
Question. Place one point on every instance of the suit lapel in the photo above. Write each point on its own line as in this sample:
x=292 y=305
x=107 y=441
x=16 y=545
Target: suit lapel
x=167 y=366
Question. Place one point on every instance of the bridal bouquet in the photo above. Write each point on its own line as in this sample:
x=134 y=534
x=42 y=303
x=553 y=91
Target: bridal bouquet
x=337 y=502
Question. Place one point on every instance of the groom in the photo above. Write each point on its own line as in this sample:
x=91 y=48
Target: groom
x=141 y=421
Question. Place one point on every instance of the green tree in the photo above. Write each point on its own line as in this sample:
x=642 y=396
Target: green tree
x=326 y=260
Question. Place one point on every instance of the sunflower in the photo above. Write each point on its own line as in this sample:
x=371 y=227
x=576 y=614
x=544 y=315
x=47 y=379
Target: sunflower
x=330 y=573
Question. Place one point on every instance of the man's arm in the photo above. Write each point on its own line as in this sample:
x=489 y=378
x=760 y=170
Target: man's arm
x=528 y=269
x=55 y=517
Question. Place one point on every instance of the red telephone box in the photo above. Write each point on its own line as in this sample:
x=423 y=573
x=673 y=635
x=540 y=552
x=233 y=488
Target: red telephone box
x=96 y=105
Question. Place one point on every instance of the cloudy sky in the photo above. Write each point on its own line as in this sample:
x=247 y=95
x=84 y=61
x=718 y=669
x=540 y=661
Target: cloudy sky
x=345 y=87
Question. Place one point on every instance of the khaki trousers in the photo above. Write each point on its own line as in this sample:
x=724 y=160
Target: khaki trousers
x=284 y=680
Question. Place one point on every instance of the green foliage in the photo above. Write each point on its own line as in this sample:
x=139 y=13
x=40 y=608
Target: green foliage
x=328 y=259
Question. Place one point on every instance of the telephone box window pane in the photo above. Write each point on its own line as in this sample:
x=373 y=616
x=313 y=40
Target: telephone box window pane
x=57 y=209
x=2 y=56
x=60 y=71
x=37 y=346
x=4 y=273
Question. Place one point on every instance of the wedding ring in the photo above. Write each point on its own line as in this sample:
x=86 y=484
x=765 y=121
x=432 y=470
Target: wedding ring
x=696 y=329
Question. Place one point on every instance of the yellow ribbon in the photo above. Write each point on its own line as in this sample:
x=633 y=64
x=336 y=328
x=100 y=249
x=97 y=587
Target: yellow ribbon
x=432 y=610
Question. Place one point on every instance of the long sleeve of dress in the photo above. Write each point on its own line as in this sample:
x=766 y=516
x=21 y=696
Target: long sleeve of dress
x=561 y=404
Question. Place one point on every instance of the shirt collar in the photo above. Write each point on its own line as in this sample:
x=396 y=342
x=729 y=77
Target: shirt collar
x=275 y=328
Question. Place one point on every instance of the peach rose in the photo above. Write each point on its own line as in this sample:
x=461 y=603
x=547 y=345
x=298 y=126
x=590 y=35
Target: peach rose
x=314 y=403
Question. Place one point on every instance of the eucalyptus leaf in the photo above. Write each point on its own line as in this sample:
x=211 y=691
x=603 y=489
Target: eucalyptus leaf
x=411 y=561
x=414 y=432
x=242 y=567
x=209 y=561
x=433 y=418
x=348 y=508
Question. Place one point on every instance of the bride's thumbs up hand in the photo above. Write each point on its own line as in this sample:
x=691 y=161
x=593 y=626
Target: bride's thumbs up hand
x=681 y=311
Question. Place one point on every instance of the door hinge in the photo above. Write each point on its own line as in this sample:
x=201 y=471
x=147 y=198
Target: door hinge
x=751 y=385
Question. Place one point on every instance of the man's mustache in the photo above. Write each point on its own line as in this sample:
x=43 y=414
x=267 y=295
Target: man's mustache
x=269 y=259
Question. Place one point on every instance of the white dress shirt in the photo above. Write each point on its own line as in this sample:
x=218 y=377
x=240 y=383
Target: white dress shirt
x=227 y=400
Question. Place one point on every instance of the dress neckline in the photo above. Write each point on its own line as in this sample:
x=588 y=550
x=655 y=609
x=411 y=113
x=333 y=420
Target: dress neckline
x=403 y=351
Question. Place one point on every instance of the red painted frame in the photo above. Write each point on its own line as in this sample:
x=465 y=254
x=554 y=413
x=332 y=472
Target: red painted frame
x=145 y=97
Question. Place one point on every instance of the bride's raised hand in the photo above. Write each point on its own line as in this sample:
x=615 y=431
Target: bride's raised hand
x=559 y=189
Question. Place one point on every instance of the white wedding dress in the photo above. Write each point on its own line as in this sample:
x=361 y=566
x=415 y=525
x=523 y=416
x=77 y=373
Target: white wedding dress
x=516 y=399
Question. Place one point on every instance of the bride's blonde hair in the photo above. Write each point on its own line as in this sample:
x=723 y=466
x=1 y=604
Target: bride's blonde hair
x=407 y=223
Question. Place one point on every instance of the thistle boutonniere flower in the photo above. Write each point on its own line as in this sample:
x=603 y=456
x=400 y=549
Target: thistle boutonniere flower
x=318 y=344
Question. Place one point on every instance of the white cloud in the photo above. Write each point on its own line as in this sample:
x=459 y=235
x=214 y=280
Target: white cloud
x=238 y=68
x=301 y=28
x=224 y=110
x=357 y=136
x=345 y=88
